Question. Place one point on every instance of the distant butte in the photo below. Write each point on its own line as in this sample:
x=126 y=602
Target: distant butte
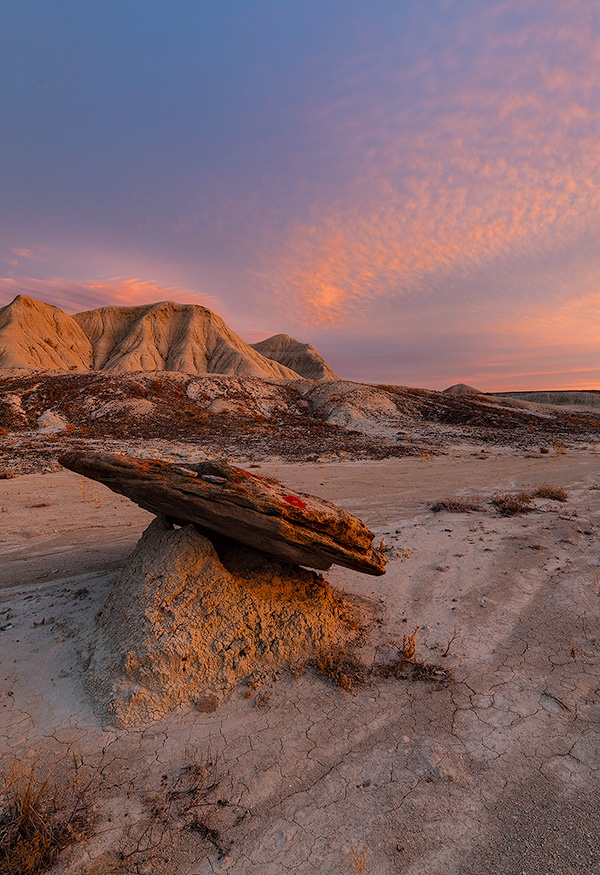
x=300 y=357
x=152 y=337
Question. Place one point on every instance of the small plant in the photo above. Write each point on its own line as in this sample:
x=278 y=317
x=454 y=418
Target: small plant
x=89 y=492
x=555 y=493
x=358 y=861
x=457 y=505
x=298 y=668
x=38 y=818
x=409 y=647
x=427 y=456
x=406 y=664
x=341 y=666
x=511 y=505
x=559 y=447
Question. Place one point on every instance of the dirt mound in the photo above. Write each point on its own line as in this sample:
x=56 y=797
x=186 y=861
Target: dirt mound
x=300 y=357
x=185 y=624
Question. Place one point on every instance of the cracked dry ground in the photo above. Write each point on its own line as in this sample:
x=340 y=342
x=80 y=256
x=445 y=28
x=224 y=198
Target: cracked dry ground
x=496 y=773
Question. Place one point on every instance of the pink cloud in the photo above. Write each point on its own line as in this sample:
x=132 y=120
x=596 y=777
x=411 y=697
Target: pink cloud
x=502 y=162
x=73 y=296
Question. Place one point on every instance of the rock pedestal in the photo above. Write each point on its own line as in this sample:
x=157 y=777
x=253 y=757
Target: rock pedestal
x=185 y=623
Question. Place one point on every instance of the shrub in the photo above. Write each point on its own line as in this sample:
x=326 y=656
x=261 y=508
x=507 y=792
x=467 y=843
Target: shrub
x=341 y=666
x=511 y=505
x=457 y=505
x=555 y=493
x=39 y=818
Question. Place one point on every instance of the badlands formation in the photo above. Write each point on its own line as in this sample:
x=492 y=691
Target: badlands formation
x=441 y=719
x=151 y=337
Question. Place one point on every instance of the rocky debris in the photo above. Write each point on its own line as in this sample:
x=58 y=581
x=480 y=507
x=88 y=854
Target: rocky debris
x=259 y=418
x=300 y=357
x=50 y=422
x=186 y=622
x=216 y=497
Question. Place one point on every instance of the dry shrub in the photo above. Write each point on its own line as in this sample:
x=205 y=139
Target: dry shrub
x=407 y=665
x=38 y=817
x=457 y=505
x=342 y=666
x=554 y=493
x=559 y=447
x=511 y=505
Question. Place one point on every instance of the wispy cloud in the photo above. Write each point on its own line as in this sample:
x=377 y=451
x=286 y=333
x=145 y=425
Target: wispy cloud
x=73 y=296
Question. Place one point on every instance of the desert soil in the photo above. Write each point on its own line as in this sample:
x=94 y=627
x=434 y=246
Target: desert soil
x=493 y=772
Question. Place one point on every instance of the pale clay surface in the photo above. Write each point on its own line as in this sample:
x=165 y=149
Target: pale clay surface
x=498 y=774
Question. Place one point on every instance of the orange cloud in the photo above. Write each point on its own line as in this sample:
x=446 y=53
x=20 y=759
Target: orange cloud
x=73 y=296
x=453 y=183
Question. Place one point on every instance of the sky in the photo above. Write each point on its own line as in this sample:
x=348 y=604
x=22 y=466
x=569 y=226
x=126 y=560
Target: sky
x=413 y=187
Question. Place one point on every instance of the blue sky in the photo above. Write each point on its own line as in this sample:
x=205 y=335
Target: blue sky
x=412 y=187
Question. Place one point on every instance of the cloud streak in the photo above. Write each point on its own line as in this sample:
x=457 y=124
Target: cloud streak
x=73 y=296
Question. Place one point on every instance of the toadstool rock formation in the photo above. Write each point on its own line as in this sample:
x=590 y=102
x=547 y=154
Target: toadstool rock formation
x=261 y=514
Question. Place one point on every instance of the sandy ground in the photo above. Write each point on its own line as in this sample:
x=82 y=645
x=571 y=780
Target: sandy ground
x=495 y=773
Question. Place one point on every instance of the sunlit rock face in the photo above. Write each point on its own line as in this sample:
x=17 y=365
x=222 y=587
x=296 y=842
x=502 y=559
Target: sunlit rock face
x=151 y=337
x=38 y=335
x=171 y=337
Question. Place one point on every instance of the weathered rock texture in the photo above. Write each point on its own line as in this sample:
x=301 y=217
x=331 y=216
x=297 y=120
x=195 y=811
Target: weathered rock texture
x=261 y=514
x=184 y=624
x=300 y=357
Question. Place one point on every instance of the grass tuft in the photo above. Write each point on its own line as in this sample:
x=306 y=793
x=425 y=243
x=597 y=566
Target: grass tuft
x=511 y=505
x=38 y=819
x=457 y=505
x=342 y=666
x=407 y=665
x=555 y=493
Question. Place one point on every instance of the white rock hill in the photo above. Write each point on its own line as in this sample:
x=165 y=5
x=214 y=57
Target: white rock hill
x=171 y=337
x=151 y=337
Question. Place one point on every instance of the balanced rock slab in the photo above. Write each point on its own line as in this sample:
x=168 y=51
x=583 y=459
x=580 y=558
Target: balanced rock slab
x=262 y=514
x=184 y=624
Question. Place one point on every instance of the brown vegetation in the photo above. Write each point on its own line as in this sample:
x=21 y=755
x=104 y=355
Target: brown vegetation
x=511 y=505
x=457 y=505
x=39 y=816
x=555 y=493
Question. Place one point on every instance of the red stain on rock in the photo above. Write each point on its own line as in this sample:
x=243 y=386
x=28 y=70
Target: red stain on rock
x=292 y=499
